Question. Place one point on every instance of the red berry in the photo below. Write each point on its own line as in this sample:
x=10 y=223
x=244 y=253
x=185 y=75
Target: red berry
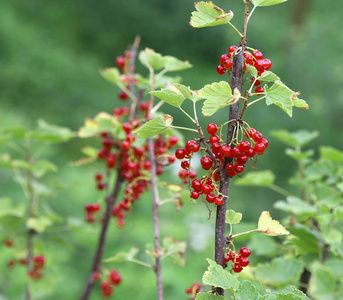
x=244 y=252
x=225 y=150
x=250 y=132
x=221 y=70
x=8 y=243
x=106 y=288
x=11 y=263
x=95 y=207
x=188 y=291
x=216 y=147
x=192 y=174
x=259 y=90
x=206 y=162
x=248 y=58
x=236 y=152
x=96 y=275
x=39 y=261
x=243 y=146
x=195 y=195
x=212 y=128
x=210 y=198
x=120 y=223
x=257 y=137
x=120 y=61
x=228 y=64
x=123 y=96
x=147 y=165
x=267 y=64
x=250 y=152
x=219 y=200
x=223 y=58
x=98 y=177
x=126 y=145
x=259 y=65
x=206 y=189
x=100 y=186
x=114 y=277
x=171 y=159
x=197 y=185
x=191 y=146
x=239 y=168
x=257 y=54
x=180 y=153
x=242 y=160
x=244 y=261
x=214 y=139
x=259 y=148
x=185 y=164
x=183 y=174
x=172 y=141
x=265 y=142
x=232 y=49
x=237 y=268
x=107 y=143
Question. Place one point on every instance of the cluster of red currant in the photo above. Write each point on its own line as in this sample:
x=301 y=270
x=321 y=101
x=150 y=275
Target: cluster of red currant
x=193 y=290
x=38 y=265
x=239 y=260
x=239 y=155
x=254 y=58
x=90 y=210
x=107 y=286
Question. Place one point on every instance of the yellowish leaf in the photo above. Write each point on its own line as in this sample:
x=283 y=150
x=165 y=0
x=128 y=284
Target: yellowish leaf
x=269 y=226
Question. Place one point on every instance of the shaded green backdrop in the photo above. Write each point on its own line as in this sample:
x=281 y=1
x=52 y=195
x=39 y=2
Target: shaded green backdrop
x=50 y=54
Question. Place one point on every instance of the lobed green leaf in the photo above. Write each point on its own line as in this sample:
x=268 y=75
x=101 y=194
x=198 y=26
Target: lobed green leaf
x=280 y=95
x=331 y=154
x=246 y=291
x=151 y=59
x=52 y=133
x=169 y=97
x=295 y=139
x=112 y=75
x=296 y=206
x=232 y=217
x=122 y=256
x=151 y=128
x=187 y=92
x=208 y=14
x=268 y=76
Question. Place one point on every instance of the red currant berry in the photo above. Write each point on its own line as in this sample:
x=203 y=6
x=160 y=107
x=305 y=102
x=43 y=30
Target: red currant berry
x=248 y=58
x=244 y=146
x=242 y=160
x=221 y=70
x=172 y=141
x=236 y=152
x=123 y=96
x=101 y=186
x=206 y=189
x=212 y=128
x=265 y=142
x=114 y=277
x=244 y=261
x=210 y=198
x=259 y=90
x=197 y=185
x=195 y=195
x=192 y=174
x=183 y=174
x=189 y=291
x=250 y=152
x=259 y=148
x=223 y=58
x=126 y=145
x=216 y=176
x=228 y=64
x=244 y=252
x=232 y=49
x=249 y=133
x=180 y=153
x=259 y=65
x=214 y=139
x=39 y=261
x=171 y=159
x=239 y=168
x=120 y=61
x=267 y=64
x=98 y=177
x=96 y=275
x=185 y=164
x=216 y=147
x=106 y=288
x=257 y=54
x=257 y=137
x=237 y=268
x=225 y=151
x=190 y=146
x=219 y=200
x=206 y=162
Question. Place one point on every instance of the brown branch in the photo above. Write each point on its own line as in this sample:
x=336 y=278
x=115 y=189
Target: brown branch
x=110 y=202
x=236 y=83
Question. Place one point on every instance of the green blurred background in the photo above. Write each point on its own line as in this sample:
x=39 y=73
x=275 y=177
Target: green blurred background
x=50 y=55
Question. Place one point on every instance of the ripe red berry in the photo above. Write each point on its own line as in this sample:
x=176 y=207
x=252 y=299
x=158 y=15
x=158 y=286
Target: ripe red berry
x=39 y=261
x=250 y=152
x=257 y=54
x=249 y=133
x=171 y=159
x=210 y=198
x=248 y=58
x=214 y=139
x=259 y=148
x=106 y=288
x=265 y=142
x=192 y=174
x=180 y=153
x=195 y=195
x=206 y=189
x=239 y=168
x=8 y=243
x=223 y=58
x=206 y=162
x=123 y=96
x=244 y=252
x=172 y=141
x=98 y=177
x=242 y=160
x=221 y=70
x=197 y=185
x=237 y=268
x=228 y=64
x=244 y=261
x=95 y=207
x=11 y=263
x=191 y=146
x=219 y=200
x=257 y=137
x=114 y=277
x=100 y=186
x=212 y=128
x=267 y=64
x=120 y=61
x=232 y=49
x=126 y=145
x=259 y=65
x=259 y=90
x=188 y=290
x=96 y=275
x=185 y=164
x=107 y=143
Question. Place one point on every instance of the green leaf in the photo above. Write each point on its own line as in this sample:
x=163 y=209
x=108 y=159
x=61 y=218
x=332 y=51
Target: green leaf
x=305 y=239
x=246 y=291
x=122 y=256
x=102 y=122
x=151 y=59
x=169 y=96
x=271 y=227
x=252 y=70
x=174 y=64
x=8 y=209
x=267 y=2
x=112 y=75
x=292 y=292
x=296 y=206
x=217 y=95
x=43 y=166
x=331 y=154
x=52 y=133
x=261 y=178
x=175 y=249
x=300 y=103
x=151 y=128
x=295 y=139
x=280 y=95
x=208 y=14
x=39 y=224
x=22 y=164
x=232 y=217
x=207 y=296
x=219 y=277
x=299 y=155
x=268 y=76
x=288 y=296
x=187 y=92
x=322 y=282
x=280 y=272
x=262 y=245
x=336 y=267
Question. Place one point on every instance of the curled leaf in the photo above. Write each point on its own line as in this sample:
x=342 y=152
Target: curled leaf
x=268 y=226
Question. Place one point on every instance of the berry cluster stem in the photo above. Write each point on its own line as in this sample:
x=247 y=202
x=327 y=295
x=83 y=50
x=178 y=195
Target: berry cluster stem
x=110 y=201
